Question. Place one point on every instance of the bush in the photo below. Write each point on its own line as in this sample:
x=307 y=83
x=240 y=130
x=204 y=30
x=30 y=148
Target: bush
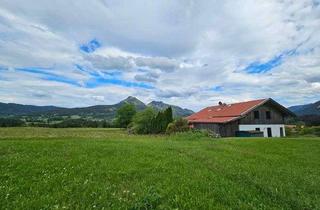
x=141 y=122
x=193 y=134
x=303 y=131
x=179 y=125
x=310 y=131
x=291 y=131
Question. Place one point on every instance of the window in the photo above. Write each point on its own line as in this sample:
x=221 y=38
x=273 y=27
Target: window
x=268 y=115
x=256 y=115
x=257 y=129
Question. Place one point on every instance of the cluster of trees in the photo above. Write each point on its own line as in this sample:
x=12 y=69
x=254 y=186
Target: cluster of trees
x=10 y=122
x=80 y=123
x=310 y=120
x=151 y=122
x=75 y=123
x=148 y=121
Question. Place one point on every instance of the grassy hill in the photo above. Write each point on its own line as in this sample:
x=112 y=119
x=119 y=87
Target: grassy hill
x=108 y=169
x=7 y=109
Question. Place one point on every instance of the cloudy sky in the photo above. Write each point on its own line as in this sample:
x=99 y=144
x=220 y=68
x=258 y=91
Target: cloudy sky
x=191 y=53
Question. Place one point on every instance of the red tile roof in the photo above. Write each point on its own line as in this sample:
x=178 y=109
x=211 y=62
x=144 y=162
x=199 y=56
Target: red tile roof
x=224 y=113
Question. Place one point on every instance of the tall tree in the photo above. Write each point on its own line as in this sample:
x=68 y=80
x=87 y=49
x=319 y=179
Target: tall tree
x=125 y=114
x=142 y=122
x=161 y=121
x=169 y=116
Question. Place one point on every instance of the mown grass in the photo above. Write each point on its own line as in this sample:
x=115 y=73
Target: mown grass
x=107 y=169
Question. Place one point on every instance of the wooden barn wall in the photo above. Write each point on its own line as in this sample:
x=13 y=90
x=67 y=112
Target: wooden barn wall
x=229 y=129
x=208 y=126
x=276 y=116
x=224 y=130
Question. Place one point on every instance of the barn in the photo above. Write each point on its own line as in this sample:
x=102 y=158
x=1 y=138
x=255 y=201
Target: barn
x=263 y=116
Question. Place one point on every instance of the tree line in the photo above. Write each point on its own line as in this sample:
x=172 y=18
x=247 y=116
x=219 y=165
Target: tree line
x=147 y=121
x=67 y=123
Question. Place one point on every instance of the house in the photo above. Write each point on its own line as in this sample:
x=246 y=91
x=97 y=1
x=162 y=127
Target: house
x=264 y=115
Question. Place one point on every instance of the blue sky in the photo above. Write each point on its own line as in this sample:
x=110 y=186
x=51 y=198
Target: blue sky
x=259 y=67
x=184 y=53
x=91 y=46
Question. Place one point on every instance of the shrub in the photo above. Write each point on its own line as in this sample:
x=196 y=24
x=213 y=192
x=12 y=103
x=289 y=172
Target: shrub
x=290 y=131
x=179 y=125
x=141 y=122
x=194 y=135
x=317 y=131
x=303 y=131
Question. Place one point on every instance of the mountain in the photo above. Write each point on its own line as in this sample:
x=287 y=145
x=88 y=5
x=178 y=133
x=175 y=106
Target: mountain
x=7 y=109
x=106 y=112
x=176 y=110
x=98 y=111
x=133 y=100
x=307 y=109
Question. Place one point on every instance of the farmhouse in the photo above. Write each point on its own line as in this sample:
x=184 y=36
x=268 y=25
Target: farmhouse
x=264 y=117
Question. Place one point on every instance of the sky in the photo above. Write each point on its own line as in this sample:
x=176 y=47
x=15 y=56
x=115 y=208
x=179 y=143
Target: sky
x=191 y=53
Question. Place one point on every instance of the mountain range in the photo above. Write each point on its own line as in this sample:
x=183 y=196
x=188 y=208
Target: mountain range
x=109 y=111
x=307 y=109
x=96 y=112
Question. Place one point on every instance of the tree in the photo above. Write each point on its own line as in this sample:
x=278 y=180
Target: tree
x=160 y=122
x=125 y=114
x=168 y=117
x=142 y=121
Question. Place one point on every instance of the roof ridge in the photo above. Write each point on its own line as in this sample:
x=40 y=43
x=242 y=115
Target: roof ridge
x=262 y=99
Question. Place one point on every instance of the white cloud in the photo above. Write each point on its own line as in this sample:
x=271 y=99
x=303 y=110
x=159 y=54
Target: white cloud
x=183 y=48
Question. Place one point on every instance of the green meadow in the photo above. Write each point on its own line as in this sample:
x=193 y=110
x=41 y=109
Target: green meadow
x=108 y=169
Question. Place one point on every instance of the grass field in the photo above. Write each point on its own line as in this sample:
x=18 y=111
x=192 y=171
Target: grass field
x=107 y=169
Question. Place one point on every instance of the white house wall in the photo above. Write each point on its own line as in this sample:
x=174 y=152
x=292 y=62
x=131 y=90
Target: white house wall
x=275 y=129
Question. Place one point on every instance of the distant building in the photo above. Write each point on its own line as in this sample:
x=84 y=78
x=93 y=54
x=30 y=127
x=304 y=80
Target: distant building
x=265 y=115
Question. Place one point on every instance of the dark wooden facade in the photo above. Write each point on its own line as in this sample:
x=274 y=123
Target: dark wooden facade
x=223 y=129
x=276 y=116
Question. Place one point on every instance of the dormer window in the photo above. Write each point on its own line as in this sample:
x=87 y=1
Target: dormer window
x=256 y=115
x=268 y=115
